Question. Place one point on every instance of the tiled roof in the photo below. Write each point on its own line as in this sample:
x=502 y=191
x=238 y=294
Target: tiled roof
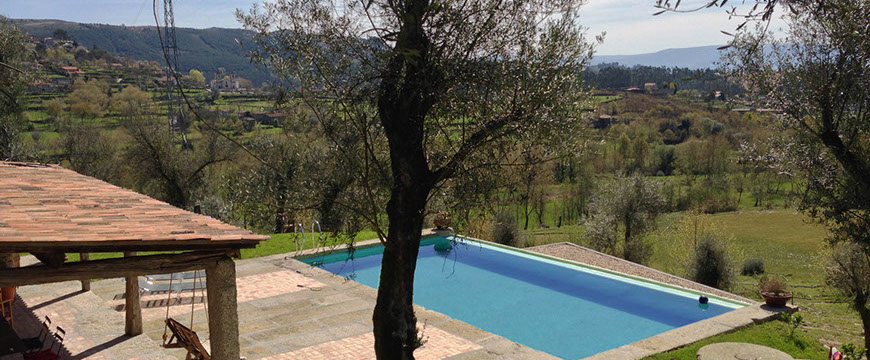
x=46 y=205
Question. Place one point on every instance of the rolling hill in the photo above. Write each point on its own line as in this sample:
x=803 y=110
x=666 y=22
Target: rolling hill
x=209 y=49
x=701 y=57
x=202 y=49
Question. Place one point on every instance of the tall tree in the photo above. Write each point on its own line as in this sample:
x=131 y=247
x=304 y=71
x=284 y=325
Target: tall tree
x=817 y=74
x=13 y=84
x=440 y=82
x=160 y=167
x=624 y=211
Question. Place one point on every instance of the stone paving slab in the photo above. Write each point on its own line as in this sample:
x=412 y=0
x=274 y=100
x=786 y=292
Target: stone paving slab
x=740 y=351
x=93 y=330
x=249 y=288
x=439 y=345
x=278 y=317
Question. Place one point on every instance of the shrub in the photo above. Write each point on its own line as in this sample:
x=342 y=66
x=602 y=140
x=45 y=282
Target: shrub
x=753 y=266
x=504 y=229
x=774 y=285
x=794 y=320
x=638 y=251
x=852 y=352
x=711 y=265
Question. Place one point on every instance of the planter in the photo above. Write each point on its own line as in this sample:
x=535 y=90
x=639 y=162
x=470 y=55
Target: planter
x=776 y=299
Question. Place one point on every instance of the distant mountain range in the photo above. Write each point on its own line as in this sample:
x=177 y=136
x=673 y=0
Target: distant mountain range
x=701 y=57
x=202 y=49
x=212 y=48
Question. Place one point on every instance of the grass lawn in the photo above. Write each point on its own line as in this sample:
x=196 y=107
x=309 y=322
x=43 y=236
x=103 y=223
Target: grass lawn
x=775 y=334
x=284 y=243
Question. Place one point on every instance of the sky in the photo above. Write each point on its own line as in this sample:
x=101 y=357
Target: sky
x=629 y=24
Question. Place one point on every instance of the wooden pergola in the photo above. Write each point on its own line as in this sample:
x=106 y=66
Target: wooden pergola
x=50 y=211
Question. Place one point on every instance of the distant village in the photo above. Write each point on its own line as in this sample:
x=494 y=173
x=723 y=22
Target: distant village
x=58 y=73
x=60 y=61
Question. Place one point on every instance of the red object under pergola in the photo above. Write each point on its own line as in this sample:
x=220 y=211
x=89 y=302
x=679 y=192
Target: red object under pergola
x=50 y=211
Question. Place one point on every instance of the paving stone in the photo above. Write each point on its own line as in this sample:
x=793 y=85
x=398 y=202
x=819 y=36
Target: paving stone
x=740 y=351
x=463 y=330
x=481 y=354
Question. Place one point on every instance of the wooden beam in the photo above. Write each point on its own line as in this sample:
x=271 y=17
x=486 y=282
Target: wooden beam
x=110 y=268
x=53 y=259
x=121 y=246
x=133 y=323
x=86 y=283
x=223 y=316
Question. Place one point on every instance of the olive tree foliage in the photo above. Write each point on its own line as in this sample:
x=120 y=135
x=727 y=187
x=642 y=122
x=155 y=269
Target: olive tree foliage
x=849 y=272
x=818 y=75
x=87 y=150
x=623 y=212
x=13 y=85
x=159 y=166
x=88 y=98
x=131 y=102
x=422 y=87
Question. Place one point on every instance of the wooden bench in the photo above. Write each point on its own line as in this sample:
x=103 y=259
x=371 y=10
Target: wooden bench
x=183 y=337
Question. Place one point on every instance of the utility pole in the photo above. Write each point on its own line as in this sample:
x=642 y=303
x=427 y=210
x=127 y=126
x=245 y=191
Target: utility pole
x=175 y=110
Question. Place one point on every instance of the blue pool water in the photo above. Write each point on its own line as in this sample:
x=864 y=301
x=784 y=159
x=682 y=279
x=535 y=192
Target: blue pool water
x=562 y=309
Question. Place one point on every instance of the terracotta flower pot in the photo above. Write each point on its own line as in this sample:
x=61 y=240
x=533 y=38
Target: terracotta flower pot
x=776 y=299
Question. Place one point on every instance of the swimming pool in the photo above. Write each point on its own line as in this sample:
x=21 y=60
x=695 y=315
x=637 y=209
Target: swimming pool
x=560 y=308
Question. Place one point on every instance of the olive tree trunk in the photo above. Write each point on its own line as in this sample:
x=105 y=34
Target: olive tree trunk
x=394 y=320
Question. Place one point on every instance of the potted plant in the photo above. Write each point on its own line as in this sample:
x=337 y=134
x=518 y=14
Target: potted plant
x=442 y=220
x=774 y=291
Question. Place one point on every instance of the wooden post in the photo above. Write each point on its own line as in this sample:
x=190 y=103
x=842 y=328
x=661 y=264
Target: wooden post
x=133 y=325
x=223 y=316
x=9 y=261
x=86 y=283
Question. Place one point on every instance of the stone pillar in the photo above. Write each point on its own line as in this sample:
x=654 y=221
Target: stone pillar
x=10 y=260
x=133 y=324
x=223 y=316
x=86 y=283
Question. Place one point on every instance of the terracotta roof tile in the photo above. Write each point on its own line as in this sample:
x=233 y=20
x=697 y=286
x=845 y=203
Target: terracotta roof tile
x=46 y=203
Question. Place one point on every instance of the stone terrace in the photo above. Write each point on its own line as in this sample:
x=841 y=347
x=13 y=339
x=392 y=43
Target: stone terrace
x=287 y=310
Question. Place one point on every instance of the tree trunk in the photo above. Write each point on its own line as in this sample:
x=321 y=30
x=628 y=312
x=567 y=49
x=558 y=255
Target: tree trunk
x=861 y=306
x=395 y=324
x=405 y=96
x=865 y=318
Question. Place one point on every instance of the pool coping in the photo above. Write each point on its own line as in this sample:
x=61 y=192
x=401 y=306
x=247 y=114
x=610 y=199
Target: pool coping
x=748 y=314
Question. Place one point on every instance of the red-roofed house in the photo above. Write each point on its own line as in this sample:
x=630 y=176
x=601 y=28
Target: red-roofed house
x=72 y=71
